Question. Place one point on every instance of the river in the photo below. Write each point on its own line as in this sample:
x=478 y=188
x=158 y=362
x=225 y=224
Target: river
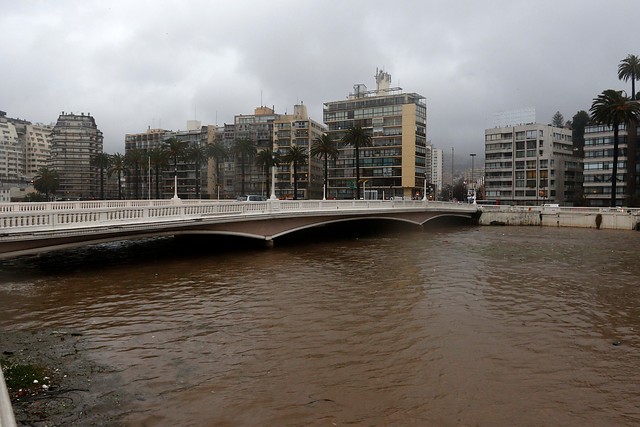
x=471 y=326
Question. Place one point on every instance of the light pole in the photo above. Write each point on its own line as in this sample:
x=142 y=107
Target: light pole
x=473 y=182
x=424 y=191
x=273 y=177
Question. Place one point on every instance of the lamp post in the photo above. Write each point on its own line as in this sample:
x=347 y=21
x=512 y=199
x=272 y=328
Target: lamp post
x=424 y=191
x=473 y=182
x=273 y=177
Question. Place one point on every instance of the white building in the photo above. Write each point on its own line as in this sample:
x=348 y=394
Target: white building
x=436 y=169
x=531 y=164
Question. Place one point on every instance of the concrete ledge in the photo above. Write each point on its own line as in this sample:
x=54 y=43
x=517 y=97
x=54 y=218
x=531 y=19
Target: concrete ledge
x=605 y=218
x=7 y=419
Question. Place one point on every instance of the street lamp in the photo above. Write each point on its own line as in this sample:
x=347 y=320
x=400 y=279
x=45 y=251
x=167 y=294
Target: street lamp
x=273 y=177
x=424 y=191
x=473 y=182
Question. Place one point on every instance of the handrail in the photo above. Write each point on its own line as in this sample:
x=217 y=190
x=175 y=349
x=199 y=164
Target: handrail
x=7 y=418
x=21 y=217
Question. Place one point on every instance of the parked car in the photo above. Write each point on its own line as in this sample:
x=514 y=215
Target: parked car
x=251 y=198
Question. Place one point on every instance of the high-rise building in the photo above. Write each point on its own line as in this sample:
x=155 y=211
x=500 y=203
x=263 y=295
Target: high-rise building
x=598 y=165
x=24 y=149
x=436 y=170
x=270 y=130
x=75 y=140
x=298 y=129
x=397 y=163
x=529 y=164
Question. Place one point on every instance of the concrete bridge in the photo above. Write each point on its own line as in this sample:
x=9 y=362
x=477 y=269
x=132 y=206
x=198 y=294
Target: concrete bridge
x=29 y=228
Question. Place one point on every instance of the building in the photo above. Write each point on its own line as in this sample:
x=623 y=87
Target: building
x=192 y=183
x=75 y=140
x=278 y=132
x=598 y=165
x=530 y=164
x=396 y=164
x=436 y=170
x=298 y=129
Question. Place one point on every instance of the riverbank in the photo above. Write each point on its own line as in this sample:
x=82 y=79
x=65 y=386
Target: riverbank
x=51 y=380
x=551 y=216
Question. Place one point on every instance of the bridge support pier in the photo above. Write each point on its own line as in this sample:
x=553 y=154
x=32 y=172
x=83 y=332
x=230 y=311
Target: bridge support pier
x=268 y=244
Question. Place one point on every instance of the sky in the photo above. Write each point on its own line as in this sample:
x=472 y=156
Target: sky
x=139 y=64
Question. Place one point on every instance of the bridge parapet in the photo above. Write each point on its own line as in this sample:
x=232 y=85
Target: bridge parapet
x=25 y=217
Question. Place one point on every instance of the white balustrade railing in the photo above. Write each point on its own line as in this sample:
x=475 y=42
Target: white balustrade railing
x=27 y=217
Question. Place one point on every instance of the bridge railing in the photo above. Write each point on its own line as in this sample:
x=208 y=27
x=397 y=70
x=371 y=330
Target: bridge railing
x=29 y=217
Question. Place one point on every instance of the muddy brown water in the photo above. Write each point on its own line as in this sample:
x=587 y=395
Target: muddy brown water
x=487 y=326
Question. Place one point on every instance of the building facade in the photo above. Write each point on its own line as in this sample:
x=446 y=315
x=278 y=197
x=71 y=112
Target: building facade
x=397 y=163
x=598 y=166
x=75 y=140
x=24 y=149
x=436 y=171
x=297 y=129
x=530 y=164
x=277 y=132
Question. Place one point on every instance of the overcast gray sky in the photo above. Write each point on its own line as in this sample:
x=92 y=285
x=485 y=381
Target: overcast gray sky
x=134 y=64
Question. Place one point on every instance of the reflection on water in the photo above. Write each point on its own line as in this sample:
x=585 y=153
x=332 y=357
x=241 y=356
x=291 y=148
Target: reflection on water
x=456 y=326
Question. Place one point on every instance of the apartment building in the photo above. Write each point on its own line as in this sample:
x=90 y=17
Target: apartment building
x=436 y=170
x=298 y=129
x=598 y=166
x=397 y=163
x=75 y=140
x=531 y=164
x=278 y=132
x=24 y=149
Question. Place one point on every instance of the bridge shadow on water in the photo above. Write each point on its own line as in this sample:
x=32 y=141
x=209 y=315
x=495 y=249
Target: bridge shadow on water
x=194 y=247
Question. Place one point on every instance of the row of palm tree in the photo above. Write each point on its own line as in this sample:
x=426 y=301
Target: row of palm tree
x=614 y=108
x=244 y=149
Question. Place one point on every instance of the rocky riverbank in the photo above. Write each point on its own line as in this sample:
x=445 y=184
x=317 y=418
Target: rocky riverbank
x=53 y=382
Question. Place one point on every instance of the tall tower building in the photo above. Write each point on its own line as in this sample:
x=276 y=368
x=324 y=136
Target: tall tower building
x=75 y=141
x=397 y=162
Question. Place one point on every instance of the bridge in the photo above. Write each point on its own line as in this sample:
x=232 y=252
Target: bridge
x=30 y=228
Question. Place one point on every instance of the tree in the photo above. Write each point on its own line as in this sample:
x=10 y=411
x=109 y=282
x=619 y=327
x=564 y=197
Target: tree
x=218 y=152
x=134 y=158
x=46 y=181
x=198 y=154
x=629 y=69
x=101 y=161
x=578 y=124
x=324 y=147
x=245 y=149
x=357 y=138
x=298 y=156
x=613 y=108
x=117 y=166
x=558 y=119
x=159 y=158
x=267 y=159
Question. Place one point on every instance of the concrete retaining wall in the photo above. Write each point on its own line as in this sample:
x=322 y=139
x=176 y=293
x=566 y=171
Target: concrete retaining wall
x=605 y=218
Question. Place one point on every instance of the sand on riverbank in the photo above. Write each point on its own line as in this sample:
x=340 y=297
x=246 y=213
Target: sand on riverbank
x=65 y=387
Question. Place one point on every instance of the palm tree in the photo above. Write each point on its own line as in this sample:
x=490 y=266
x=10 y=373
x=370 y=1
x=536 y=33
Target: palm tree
x=629 y=69
x=198 y=154
x=46 y=181
x=267 y=159
x=101 y=161
x=175 y=150
x=298 y=156
x=357 y=137
x=117 y=165
x=245 y=148
x=159 y=159
x=324 y=147
x=134 y=158
x=218 y=152
x=613 y=108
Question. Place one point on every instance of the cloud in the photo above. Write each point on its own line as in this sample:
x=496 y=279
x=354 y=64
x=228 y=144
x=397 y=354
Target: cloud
x=139 y=63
